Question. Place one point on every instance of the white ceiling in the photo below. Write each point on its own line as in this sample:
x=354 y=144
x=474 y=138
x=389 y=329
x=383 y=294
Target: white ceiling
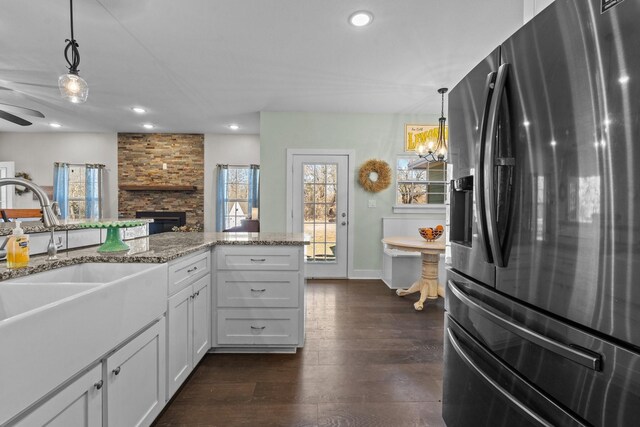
x=198 y=65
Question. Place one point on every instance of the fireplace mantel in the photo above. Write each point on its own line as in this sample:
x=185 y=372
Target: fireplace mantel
x=138 y=187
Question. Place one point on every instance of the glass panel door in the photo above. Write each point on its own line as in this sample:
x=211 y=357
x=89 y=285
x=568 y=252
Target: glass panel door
x=320 y=211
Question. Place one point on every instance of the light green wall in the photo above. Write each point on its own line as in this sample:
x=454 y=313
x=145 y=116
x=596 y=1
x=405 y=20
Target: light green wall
x=379 y=136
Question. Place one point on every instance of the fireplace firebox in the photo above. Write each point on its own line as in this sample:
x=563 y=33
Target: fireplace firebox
x=163 y=220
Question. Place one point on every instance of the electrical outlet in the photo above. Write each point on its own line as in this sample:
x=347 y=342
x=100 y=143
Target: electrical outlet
x=372 y=203
x=164 y=166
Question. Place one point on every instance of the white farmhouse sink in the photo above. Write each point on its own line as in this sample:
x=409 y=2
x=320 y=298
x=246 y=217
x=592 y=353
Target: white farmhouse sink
x=84 y=273
x=19 y=298
x=56 y=323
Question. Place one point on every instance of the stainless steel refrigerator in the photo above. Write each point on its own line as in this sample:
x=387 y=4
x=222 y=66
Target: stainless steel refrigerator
x=542 y=323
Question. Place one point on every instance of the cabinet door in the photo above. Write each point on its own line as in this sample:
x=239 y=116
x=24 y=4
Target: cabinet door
x=136 y=379
x=180 y=342
x=201 y=318
x=78 y=404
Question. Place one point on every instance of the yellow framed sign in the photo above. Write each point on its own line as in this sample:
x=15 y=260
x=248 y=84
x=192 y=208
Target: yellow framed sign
x=417 y=134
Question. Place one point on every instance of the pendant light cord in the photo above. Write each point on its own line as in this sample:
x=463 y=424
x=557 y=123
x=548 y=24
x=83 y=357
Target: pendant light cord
x=73 y=45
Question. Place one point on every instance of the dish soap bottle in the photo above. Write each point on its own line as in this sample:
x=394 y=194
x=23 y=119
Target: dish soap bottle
x=18 y=248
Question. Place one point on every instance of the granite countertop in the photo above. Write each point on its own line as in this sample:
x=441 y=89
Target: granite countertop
x=157 y=248
x=31 y=227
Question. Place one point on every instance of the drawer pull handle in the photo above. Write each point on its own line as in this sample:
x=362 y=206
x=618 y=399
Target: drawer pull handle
x=98 y=385
x=116 y=371
x=191 y=270
x=257 y=290
x=258 y=259
x=258 y=328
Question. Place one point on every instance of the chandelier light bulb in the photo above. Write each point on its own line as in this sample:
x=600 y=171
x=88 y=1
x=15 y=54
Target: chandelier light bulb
x=73 y=88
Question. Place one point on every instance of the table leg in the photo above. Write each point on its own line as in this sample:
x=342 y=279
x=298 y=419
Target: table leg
x=427 y=284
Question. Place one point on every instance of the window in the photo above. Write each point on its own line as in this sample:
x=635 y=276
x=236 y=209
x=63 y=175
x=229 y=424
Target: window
x=423 y=186
x=76 y=202
x=238 y=193
x=78 y=190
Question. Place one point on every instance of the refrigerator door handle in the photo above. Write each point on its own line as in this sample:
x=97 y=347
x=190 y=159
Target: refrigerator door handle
x=489 y=184
x=492 y=383
x=590 y=360
x=479 y=176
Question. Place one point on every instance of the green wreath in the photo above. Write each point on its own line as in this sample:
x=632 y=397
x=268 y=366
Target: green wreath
x=22 y=190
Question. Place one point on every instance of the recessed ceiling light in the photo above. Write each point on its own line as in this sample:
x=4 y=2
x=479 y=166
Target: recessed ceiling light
x=623 y=79
x=361 y=18
x=148 y=126
x=234 y=126
x=139 y=110
x=55 y=125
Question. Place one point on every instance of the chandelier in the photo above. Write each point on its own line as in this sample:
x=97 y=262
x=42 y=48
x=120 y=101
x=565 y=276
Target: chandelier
x=436 y=151
x=73 y=88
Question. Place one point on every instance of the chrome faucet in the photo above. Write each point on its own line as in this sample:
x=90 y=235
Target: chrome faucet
x=48 y=217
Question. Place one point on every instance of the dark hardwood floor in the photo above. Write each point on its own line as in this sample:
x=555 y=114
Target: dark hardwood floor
x=369 y=360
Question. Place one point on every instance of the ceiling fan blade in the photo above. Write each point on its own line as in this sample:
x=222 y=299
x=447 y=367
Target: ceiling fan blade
x=14 y=119
x=28 y=111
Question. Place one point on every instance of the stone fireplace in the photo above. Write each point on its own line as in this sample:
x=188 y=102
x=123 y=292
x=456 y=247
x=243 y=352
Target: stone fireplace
x=161 y=173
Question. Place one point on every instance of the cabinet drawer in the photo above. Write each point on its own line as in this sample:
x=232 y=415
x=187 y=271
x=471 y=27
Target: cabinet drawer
x=257 y=258
x=258 y=289
x=184 y=271
x=258 y=327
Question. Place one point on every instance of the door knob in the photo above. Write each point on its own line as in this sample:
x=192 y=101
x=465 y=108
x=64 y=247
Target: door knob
x=344 y=222
x=343 y=215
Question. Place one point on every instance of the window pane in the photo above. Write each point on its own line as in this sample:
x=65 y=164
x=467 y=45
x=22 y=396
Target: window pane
x=436 y=188
x=332 y=175
x=308 y=192
x=321 y=173
x=320 y=191
x=307 y=170
x=232 y=191
x=436 y=199
x=412 y=185
x=331 y=212
x=309 y=212
x=243 y=176
x=320 y=215
x=243 y=191
x=331 y=194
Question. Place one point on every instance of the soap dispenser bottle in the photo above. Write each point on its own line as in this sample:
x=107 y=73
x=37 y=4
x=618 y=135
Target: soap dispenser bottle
x=18 y=248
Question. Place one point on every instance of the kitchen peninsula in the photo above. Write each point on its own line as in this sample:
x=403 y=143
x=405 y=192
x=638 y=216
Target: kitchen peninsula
x=124 y=331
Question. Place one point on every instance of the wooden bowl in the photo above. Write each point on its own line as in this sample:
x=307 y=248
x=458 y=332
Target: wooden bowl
x=431 y=234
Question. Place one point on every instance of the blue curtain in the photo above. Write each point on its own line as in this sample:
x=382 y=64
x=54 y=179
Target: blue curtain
x=93 y=191
x=61 y=187
x=254 y=187
x=222 y=197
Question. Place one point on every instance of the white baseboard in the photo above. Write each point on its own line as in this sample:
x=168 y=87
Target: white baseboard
x=365 y=274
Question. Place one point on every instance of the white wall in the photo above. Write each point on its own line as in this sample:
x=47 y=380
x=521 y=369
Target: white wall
x=224 y=149
x=35 y=153
x=533 y=7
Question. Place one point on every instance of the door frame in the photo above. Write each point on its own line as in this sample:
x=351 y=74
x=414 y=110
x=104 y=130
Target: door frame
x=350 y=154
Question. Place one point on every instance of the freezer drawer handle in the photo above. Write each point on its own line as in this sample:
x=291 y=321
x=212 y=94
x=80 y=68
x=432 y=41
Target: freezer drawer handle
x=521 y=406
x=591 y=361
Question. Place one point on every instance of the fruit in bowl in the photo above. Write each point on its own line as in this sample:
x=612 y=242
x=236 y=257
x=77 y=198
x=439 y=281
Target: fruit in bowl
x=431 y=233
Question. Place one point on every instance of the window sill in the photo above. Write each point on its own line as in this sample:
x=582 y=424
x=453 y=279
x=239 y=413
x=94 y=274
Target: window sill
x=420 y=209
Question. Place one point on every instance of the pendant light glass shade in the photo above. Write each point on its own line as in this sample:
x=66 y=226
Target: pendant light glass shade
x=73 y=88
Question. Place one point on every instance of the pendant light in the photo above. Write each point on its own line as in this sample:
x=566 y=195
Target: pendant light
x=73 y=88
x=436 y=151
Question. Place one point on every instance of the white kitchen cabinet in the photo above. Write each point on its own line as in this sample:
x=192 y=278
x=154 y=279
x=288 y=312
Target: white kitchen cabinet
x=79 y=404
x=135 y=379
x=259 y=298
x=188 y=318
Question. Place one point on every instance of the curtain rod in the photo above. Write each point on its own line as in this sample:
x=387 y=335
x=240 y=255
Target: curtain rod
x=236 y=166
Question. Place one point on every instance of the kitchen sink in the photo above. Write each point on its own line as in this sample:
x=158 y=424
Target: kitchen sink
x=19 y=298
x=84 y=273
x=56 y=323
